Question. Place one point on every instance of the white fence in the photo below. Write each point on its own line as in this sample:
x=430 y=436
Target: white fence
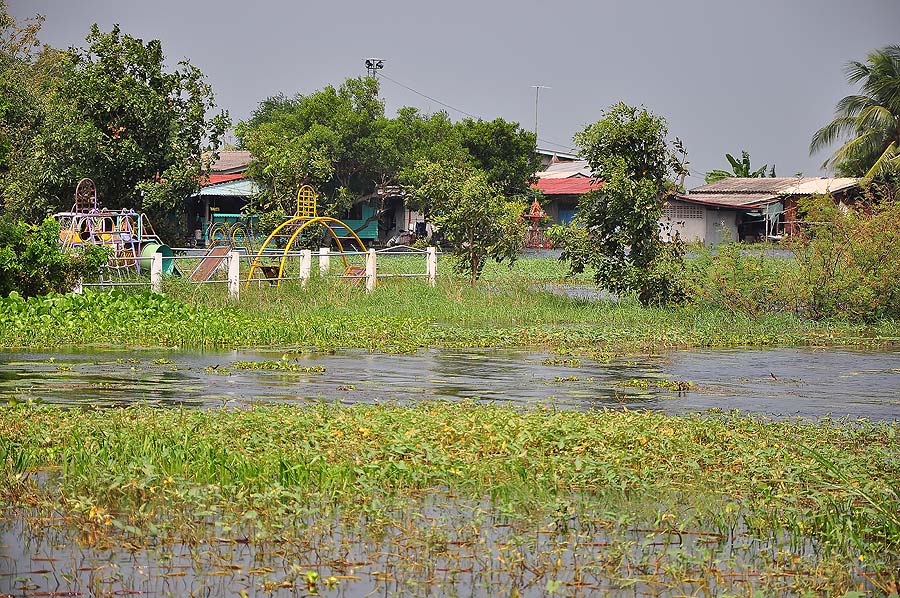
x=232 y=264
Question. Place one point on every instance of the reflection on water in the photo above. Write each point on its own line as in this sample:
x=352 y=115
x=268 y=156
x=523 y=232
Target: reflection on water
x=776 y=382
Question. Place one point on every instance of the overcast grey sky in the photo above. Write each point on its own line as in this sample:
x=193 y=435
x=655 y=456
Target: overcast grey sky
x=760 y=76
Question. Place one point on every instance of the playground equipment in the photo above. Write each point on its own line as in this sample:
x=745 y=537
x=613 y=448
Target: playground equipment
x=289 y=231
x=128 y=234
x=224 y=238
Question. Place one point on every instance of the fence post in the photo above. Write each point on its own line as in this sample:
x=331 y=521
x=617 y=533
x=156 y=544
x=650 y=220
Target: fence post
x=305 y=265
x=371 y=276
x=234 y=275
x=78 y=289
x=324 y=261
x=156 y=272
x=431 y=265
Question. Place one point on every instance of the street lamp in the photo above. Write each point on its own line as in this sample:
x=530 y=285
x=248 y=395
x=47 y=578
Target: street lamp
x=374 y=65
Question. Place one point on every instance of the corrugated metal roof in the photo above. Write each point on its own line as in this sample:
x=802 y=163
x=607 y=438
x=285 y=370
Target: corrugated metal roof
x=231 y=161
x=570 y=186
x=564 y=170
x=731 y=200
x=751 y=193
x=236 y=188
x=820 y=186
x=776 y=185
x=215 y=179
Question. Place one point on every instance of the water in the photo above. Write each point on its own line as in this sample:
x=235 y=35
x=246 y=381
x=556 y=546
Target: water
x=432 y=551
x=773 y=382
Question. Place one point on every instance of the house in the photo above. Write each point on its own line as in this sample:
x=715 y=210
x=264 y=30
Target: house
x=225 y=192
x=563 y=182
x=746 y=209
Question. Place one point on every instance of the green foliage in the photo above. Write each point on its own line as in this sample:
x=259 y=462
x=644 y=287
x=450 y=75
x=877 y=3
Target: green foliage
x=340 y=141
x=31 y=262
x=848 y=260
x=619 y=223
x=503 y=150
x=739 y=169
x=742 y=279
x=471 y=214
x=868 y=121
x=630 y=486
x=110 y=111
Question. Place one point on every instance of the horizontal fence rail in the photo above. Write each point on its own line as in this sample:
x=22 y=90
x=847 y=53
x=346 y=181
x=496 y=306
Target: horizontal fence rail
x=231 y=264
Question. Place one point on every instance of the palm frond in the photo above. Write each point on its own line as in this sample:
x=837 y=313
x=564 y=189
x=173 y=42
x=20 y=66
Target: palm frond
x=853 y=105
x=887 y=163
x=839 y=127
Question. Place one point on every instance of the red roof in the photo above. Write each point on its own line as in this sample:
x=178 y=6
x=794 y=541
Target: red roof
x=570 y=186
x=214 y=179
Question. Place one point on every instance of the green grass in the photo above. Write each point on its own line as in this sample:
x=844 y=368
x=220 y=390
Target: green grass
x=814 y=501
x=402 y=315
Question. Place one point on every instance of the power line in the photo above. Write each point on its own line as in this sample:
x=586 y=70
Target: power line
x=455 y=109
x=383 y=76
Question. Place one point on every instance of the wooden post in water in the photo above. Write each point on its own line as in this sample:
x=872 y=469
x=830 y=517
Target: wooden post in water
x=234 y=275
x=431 y=265
x=305 y=265
x=324 y=261
x=371 y=276
x=156 y=272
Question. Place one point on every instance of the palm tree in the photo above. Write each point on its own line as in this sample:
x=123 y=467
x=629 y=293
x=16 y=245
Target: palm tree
x=870 y=120
x=739 y=169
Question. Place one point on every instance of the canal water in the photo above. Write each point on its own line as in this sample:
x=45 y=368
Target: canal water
x=771 y=382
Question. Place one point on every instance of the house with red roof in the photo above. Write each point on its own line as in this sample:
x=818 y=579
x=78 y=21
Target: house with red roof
x=563 y=183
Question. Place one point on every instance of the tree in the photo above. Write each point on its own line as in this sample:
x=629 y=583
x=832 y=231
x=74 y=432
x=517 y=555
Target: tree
x=340 y=141
x=868 y=121
x=112 y=112
x=327 y=139
x=616 y=230
x=506 y=152
x=739 y=169
x=471 y=213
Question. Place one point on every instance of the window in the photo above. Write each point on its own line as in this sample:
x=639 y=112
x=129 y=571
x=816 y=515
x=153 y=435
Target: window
x=683 y=211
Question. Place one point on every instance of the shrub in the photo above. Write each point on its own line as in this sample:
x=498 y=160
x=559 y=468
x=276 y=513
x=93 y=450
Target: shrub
x=31 y=262
x=848 y=259
x=744 y=280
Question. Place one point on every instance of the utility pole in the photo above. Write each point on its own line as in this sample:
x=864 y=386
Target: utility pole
x=537 y=94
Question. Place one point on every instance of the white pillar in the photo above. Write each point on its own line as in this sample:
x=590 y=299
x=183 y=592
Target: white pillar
x=371 y=276
x=234 y=274
x=156 y=272
x=431 y=265
x=305 y=265
x=324 y=261
x=78 y=289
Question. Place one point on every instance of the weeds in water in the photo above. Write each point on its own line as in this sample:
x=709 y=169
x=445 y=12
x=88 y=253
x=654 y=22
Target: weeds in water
x=281 y=365
x=449 y=491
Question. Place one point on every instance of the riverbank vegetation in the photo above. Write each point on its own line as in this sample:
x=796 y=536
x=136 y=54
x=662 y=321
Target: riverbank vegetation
x=403 y=315
x=600 y=499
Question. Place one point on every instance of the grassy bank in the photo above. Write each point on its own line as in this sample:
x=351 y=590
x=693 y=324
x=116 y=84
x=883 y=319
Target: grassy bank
x=631 y=497
x=403 y=315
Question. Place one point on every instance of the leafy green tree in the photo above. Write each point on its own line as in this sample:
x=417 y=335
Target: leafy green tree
x=112 y=112
x=327 y=139
x=739 y=169
x=471 y=213
x=616 y=230
x=340 y=141
x=869 y=122
x=506 y=152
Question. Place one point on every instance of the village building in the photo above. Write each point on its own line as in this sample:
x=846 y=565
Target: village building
x=563 y=182
x=747 y=209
